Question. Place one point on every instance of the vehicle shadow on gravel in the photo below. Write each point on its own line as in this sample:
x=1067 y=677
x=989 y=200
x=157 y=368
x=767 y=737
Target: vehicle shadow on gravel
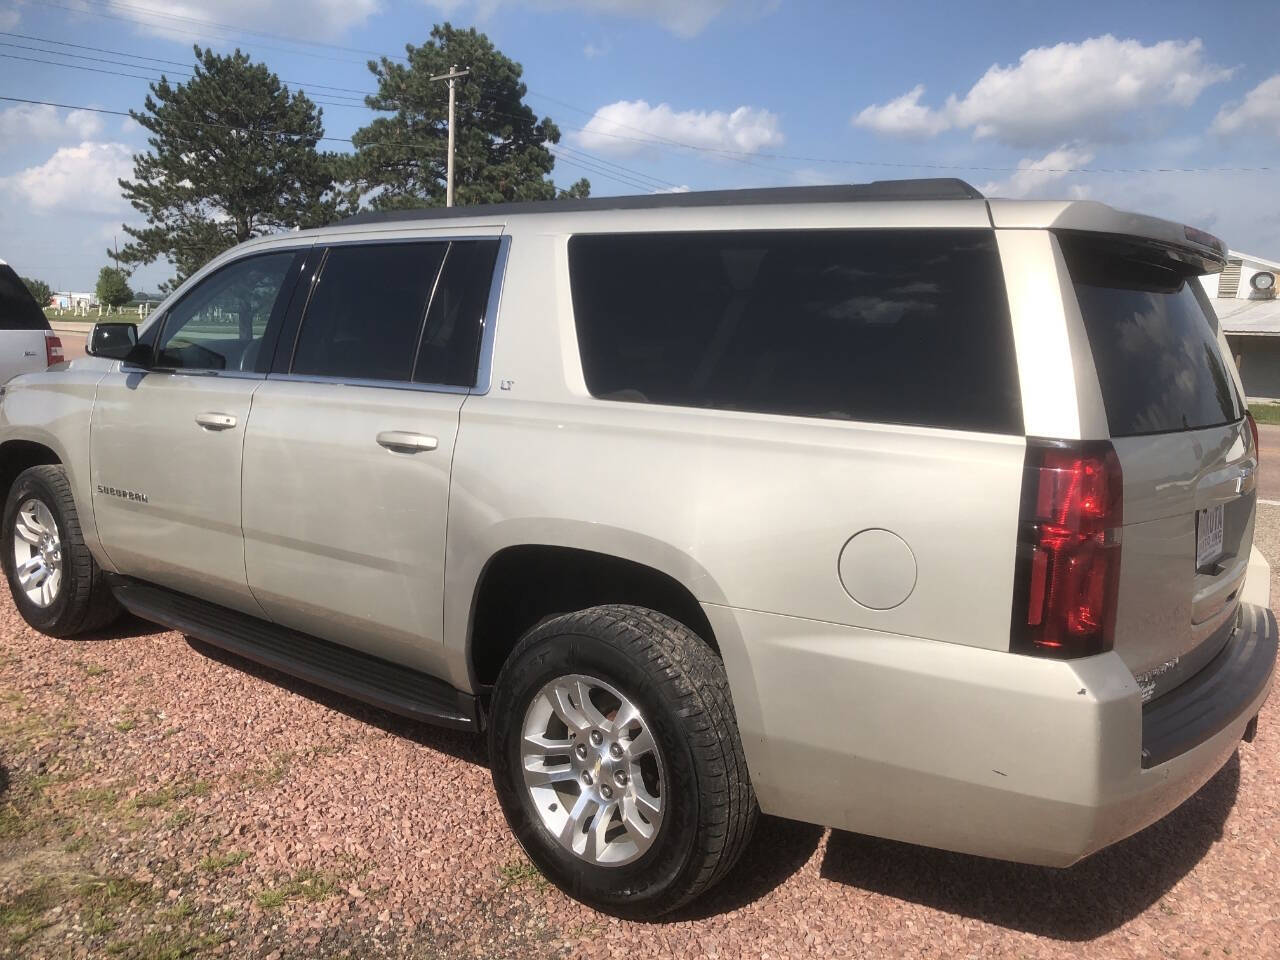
x=777 y=849
x=125 y=628
x=462 y=745
x=1081 y=902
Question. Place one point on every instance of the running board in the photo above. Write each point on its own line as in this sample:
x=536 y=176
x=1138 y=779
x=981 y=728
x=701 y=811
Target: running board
x=392 y=687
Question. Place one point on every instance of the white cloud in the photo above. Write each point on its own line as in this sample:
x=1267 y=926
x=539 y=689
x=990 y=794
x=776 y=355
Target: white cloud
x=1259 y=112
x=904 y=116
x=308 y=19
x=30 y=121
x=80 y=178
x=1032 y=176
x=683 y=188
x=593 y=50
x=9 y=17
x=1092 y=91
x=684 y=18
x=621 y=127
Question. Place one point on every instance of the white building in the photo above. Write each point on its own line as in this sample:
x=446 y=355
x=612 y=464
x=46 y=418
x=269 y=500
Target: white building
x=66 y=300
x=1244 y=297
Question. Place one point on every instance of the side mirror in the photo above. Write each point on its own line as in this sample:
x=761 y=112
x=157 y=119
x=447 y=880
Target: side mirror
x=113 y=341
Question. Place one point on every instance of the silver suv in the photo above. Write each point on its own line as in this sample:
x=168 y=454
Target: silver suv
x=886 y=507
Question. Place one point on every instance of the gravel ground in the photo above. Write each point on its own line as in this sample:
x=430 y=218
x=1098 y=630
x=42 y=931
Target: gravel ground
x=158 y=799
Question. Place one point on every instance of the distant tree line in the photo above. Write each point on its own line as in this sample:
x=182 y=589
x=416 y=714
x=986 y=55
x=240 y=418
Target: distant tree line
x=235 y=154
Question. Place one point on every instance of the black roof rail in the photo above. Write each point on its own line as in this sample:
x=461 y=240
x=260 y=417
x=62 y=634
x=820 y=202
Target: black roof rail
x=939 y=188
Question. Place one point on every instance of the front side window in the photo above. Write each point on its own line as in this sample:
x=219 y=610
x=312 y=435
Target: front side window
x=367 y=310
x=890 y=326
x=221 y=324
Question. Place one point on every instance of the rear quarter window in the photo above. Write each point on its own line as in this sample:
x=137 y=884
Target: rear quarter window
x=18 y=309
x=1153 y=335
x=889 y=326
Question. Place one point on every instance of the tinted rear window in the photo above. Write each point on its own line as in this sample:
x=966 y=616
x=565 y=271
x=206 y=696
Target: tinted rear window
x=450 y=348
x=366 y=311
x=18 y=309
x=891 y=326
x=1153 y=335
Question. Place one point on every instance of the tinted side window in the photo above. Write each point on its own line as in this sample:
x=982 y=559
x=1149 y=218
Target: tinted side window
x=450 y=345
x=18 y=309
x=366 y=311
x=1154 y=338
x=221 y=323
x=891 y=326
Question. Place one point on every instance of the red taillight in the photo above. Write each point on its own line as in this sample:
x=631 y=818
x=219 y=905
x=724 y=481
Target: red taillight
x=1068 y=568
x=52 y=349
x=1253 y=429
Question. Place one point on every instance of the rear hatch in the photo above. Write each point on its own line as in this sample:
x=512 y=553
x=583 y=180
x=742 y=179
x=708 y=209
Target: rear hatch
x=1186 y=452
x=23 y=327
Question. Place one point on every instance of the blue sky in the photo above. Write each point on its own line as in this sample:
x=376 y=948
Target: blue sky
x=772 y=92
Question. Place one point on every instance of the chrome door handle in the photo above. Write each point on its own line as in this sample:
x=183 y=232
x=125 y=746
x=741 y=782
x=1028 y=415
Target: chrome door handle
x=216 y=421
x=406 y=442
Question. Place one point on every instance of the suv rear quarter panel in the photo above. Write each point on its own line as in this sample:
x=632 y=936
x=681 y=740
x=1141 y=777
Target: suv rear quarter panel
x=746 y=510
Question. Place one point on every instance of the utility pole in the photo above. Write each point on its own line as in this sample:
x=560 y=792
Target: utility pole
x=452 y=76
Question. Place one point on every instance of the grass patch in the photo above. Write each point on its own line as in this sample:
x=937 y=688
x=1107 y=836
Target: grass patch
x=1265 y=412
x=519 y=872
x=311 y=885
x=269 y=775
x=164 y=945
x=112 y=893
x=179 y=819
x=102 y=899
x=217 y=862
x=155 y=799
x=20 y=918
x=96 y=799
x=125 y=725
x=178 y=912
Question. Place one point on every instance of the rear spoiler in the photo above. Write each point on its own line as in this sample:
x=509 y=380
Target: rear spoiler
x=1201 y=250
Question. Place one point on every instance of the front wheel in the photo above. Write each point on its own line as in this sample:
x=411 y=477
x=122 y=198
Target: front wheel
x=617 y=761
x=57 y=585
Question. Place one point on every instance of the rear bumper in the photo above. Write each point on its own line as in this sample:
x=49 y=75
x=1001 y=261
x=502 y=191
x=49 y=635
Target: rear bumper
x=973 y=750
x=1211 y=700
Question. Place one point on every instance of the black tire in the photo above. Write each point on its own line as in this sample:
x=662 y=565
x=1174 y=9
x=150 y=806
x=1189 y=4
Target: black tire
x=84 y=602
x=680 y=685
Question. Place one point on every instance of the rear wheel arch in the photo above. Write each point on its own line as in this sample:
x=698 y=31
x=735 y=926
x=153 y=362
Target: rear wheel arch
x=524 y=585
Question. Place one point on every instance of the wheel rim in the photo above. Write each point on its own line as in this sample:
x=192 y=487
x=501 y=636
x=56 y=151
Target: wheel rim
x=593 y=770
x=37 y=553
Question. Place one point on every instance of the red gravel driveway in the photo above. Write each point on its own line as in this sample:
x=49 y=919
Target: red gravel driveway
x=158 y=799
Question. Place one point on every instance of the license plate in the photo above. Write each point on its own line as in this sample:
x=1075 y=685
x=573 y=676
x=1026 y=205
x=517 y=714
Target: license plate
x=1208 y=535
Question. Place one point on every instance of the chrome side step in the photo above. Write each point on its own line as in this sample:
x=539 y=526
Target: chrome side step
x=379 y=682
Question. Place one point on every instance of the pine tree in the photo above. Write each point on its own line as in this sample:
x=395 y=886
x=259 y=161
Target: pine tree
x=233 y=156
x=500 y=153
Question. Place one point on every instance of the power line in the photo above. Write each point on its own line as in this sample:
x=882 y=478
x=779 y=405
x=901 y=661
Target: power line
x=600 y=171
x=226 y=126
x=139 y=56
x=152 y=77
x=145 y=11
x=198 y=36
x=574 y=151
